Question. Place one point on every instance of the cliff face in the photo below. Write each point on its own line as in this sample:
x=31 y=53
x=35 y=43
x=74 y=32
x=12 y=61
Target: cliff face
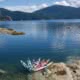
x=59 y=71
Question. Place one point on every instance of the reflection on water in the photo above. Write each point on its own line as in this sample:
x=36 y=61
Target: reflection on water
x=45 y=39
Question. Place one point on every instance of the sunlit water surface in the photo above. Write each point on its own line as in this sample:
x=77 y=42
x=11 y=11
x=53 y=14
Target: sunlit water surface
x=56 y=40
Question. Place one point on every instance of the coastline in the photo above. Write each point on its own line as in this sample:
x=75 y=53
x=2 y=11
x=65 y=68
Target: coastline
x=56 y=71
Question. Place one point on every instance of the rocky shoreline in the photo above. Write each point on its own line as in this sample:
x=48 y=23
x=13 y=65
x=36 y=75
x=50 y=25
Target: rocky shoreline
x=59 y=71
x=56 y=71
x=10 y=31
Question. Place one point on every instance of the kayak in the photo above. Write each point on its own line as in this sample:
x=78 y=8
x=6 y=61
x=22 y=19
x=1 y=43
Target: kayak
x=35 y=65
x=38 y=69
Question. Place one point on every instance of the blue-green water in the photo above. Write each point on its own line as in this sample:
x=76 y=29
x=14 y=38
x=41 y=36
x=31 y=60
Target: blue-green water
x=56 y=40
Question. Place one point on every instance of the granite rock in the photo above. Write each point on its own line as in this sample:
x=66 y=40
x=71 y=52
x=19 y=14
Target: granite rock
x=10 y=31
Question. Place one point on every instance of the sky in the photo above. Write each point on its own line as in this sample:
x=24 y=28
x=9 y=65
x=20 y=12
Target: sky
x=33 y=5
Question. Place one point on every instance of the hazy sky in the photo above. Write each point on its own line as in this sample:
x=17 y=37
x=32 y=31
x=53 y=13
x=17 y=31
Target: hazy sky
x=24 y=2
x=33 y=5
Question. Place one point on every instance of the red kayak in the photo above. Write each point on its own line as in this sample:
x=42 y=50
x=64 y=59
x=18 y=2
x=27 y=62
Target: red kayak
x=35 y=65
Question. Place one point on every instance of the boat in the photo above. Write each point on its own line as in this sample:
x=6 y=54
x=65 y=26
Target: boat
x=35 y=65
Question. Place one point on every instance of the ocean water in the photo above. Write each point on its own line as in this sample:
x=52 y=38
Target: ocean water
x=55 y=39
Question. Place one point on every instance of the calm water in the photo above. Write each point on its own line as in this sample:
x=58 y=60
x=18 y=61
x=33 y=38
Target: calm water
x=56 y=40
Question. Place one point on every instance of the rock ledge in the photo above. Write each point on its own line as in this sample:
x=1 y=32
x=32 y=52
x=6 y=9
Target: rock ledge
x=59 y=71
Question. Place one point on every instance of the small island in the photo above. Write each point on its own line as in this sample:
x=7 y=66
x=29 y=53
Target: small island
x=10 y=31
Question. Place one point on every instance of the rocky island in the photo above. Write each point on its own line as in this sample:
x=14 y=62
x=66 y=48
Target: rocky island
x=10 y=31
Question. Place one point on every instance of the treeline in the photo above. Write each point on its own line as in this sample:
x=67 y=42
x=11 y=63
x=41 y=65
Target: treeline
x=52 y=12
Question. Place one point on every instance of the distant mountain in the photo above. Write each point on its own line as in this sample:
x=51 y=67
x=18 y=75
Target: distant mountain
x=52 y=12
x=60 y=12
x=17 y=15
